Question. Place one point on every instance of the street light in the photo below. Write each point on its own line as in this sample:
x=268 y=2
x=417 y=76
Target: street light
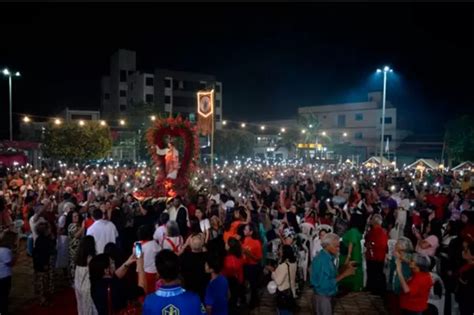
x=243 y=125
x=81 y=123
x=103 y=123
x=344 y=134
x=57 y=121
x=26 y=119
x=122 y=122
x=224 y=122
x=385 y=70
x=9 y=74
x=323 y=133
x=262 y=128
x=283 y=130
x=153 y=117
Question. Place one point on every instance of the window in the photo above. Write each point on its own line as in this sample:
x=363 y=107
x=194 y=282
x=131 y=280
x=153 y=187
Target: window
x=123 y=76
x=123 y=108
x=149 y=98
x=218 y=88
x=388 y=120
x=358 y=136
x=123 y=93
x=218 y=117
x=167 y=83
x=131 y=86
x=218 y=103
x=149 y=81
x=179 y=85
x=106 y=96
x=359 y=116
x=341 y=120
x=167 y=99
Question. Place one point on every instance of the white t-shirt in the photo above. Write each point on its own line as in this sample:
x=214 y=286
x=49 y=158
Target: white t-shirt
x=173 y=243
x=150 y=249
x=159 y=234
x=205 y=225
x=6 y=258
x=104 y=232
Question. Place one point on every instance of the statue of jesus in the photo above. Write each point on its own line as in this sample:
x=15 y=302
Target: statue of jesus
x=171 y=159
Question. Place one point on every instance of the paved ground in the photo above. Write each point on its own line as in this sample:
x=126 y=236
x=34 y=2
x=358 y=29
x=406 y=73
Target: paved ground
x=22 y=297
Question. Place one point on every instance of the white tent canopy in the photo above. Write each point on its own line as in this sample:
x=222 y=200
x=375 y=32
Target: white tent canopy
x=468 y=165
x=375 y=160
x=424 y=164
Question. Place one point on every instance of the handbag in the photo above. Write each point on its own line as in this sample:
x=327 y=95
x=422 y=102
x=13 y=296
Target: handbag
x=285 y=298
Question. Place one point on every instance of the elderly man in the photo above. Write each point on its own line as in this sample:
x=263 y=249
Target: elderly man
x=376 y=241
x=324 y=275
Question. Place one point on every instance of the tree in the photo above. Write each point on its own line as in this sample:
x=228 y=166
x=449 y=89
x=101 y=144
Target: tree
x=459 y=139
x=73 y=143
x=289 y=139
x=230 y=142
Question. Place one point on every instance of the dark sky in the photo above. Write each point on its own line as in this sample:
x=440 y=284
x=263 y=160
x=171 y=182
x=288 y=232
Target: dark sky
x=271 y=58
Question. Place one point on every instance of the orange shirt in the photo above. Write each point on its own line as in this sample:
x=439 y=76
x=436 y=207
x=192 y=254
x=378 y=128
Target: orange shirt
x=255 y=248
x=234 y=226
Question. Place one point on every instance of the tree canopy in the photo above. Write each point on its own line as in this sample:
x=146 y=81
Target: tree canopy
x=71 y=142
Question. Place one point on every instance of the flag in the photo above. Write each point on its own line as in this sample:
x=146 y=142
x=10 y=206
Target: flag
x=205 y=110
x=387 y=147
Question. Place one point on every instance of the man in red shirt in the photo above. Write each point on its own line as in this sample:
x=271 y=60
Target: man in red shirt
x=438 y=201
x=415 y=291
x=376 y=242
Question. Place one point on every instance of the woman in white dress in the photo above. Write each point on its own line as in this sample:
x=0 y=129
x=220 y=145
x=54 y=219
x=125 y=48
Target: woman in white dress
x=82 y=285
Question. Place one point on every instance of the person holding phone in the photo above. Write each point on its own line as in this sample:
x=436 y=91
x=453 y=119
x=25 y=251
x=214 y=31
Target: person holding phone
x=376 y=242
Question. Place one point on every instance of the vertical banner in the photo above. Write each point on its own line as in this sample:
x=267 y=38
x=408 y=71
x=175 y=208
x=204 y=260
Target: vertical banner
x=205 y=110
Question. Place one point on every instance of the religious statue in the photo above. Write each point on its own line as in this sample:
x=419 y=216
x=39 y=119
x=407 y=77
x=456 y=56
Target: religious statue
x=171 y=159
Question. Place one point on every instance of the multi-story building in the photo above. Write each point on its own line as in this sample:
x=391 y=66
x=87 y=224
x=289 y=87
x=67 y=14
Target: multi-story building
x=359 y=123
x=172 y=92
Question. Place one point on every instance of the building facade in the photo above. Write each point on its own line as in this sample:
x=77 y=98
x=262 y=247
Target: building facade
x=359 y=123
x=171 y=92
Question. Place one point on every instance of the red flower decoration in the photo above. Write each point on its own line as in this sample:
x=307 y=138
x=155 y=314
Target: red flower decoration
x=173 y=127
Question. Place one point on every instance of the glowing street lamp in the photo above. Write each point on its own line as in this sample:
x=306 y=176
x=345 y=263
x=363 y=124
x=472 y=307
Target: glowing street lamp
x=283 y=129
x=122 y=122
x=103 y=123
x=262 y=128
x=9 y=74
x=385 y=70
x=153 y=117
x=243 y=125
x=344 y=134
x=324 y=133
x=26 y=119
x=57 y=121
x=81 y=123
x=224 y=122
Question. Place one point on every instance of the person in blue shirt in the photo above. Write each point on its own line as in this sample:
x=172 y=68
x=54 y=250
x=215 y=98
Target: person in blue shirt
x=217 y=292
x=324 y=274
x=171 y=298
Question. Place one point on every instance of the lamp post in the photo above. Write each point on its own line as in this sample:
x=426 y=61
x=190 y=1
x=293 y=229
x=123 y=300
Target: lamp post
x=9 y=74
x=385 y=70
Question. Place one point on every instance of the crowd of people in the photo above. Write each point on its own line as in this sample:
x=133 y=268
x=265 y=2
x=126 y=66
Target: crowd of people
x=249 y=227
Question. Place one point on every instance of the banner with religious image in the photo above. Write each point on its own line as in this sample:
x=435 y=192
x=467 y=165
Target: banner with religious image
x=205 y=110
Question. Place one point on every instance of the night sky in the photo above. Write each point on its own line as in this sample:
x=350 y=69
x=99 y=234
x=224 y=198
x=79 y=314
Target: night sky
x=271 y=58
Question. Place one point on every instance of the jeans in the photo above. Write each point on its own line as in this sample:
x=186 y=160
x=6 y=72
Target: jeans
x=322 y=305
x=252 y=274
x=5 y=286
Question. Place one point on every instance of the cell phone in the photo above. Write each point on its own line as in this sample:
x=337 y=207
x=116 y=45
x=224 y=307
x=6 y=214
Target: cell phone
x=138 y=249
